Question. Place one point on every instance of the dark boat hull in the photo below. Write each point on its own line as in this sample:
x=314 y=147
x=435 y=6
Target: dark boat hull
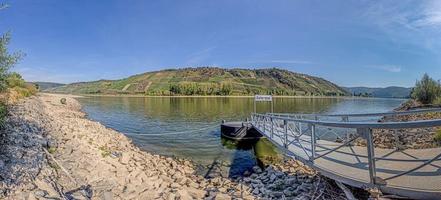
x=239 y=131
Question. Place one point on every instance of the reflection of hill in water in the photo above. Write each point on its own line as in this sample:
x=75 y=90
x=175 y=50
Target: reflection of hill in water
x=206 y=108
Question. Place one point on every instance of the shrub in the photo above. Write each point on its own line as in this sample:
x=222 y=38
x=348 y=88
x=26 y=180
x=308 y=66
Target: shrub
x=7 y=61
x=437 y=101
x=3 y=112
x=426 y=90
x=15 y=80
x=437 y=136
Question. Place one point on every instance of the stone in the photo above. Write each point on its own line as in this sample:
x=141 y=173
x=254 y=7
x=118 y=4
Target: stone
x=256 y=191
x=125 y=157
x=277 y=194
x=272 y=178
x=107 y=195
x=257 y=169
x=40 y=193
x=222 y=196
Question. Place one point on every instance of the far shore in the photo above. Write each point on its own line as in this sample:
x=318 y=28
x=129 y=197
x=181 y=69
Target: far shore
x=212 y=96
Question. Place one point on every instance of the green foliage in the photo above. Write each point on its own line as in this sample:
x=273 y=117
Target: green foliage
x=52 y=150
x=105 y=151
x=193 y=88
x=15 y=80
x=426 y=90
x=3 y=112
x=437 y=136
x=7 y=60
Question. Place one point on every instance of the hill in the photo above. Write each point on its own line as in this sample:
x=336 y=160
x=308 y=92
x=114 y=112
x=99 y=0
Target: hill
x=210 y=81
x=46 y=85
x=387 y=92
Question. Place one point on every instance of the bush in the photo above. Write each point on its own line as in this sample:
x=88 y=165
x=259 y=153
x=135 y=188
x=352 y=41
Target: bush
x=3 y=112
x=7 y=61
x=437 y=101
x=426 y=90
x=437 y=136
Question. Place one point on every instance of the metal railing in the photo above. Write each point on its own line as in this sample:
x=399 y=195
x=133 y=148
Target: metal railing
x=348 y=117
x=302 y=132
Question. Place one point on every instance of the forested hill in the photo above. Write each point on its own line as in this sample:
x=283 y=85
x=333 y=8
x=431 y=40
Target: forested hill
x=210 y=81
x=387 y=92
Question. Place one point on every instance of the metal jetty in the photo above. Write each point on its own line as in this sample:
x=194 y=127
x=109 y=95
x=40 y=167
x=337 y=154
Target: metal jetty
x=412 y=173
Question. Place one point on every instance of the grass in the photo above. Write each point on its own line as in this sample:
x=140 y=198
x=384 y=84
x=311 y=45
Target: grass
x=52 y=150
x=437 y=136
x=105 y=151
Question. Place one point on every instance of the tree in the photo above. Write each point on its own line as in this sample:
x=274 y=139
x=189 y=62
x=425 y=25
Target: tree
x=7 y=60
x=426 y=90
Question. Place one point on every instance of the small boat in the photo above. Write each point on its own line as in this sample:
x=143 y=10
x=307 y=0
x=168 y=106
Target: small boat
x=239 y=131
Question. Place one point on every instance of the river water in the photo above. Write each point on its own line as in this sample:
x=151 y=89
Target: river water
x=188 y=127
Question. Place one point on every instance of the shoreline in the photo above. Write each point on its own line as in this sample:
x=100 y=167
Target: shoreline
x=215 y=96
x=64 y=154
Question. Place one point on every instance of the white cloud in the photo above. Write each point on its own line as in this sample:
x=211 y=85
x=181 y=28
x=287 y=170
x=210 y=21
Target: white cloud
x=431 y=15
x=388 y=68
x=412 y=15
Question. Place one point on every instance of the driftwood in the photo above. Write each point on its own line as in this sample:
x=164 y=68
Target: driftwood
x=346 y=190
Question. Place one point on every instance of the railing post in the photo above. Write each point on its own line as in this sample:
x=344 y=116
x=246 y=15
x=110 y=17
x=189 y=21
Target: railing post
x=285 y=124
x=313 y=140
x=264 y=123
x=367 y=134
x=272 y=128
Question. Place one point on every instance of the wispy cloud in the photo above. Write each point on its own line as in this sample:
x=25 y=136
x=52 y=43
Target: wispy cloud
x=292 y=61
x=414 y=23
x=412 y=15
x=197 y=58
x=387 y=68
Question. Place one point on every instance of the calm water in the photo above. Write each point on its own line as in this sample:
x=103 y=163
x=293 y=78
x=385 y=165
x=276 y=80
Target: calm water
x=189 y=127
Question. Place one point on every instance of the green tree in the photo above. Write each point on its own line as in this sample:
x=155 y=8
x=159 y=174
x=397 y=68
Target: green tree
x=426 y=90
x=7 y=60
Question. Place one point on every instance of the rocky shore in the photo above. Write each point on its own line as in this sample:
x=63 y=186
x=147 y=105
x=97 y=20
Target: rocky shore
x=414 y=138
x=50 y=150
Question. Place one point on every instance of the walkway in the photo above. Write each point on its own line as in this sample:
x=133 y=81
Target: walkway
x=414 y=173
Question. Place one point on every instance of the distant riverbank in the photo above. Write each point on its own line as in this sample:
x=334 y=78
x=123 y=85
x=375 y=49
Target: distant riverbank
x=214 y=96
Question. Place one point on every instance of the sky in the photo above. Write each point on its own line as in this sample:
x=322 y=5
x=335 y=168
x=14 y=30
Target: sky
x=351 y=43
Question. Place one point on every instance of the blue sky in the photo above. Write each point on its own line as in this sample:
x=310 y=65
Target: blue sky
x=352 y=43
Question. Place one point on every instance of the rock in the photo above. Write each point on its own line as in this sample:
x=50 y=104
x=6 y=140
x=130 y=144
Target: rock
x=107 y=195
x=256 y=191
x=289 y=192
x=291 y=181
x=40 y=193
x=277 y=194
x=272 y=178
x=196 y=193
x=125 y=157
x=257 y=169
x=221 y=196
